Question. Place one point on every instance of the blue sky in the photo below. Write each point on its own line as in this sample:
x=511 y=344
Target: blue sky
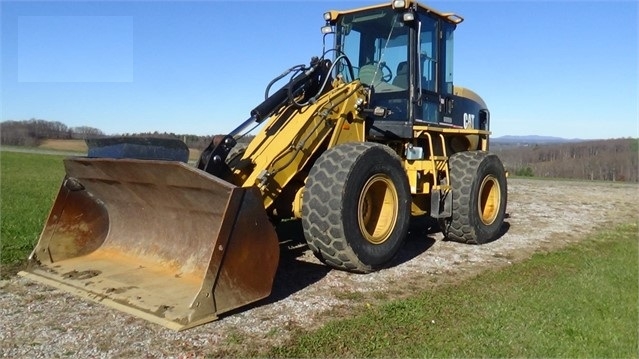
x=555 y=68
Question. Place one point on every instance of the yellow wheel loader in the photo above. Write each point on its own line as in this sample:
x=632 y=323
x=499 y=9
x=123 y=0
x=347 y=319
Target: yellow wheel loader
x=353 y=144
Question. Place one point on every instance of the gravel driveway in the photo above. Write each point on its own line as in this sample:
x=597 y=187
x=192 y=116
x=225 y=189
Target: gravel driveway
x=38 y=321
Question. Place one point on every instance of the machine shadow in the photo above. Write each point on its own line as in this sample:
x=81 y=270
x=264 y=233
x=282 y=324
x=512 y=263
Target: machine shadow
x=294 y=273
x=505 y=226
x=419 y=240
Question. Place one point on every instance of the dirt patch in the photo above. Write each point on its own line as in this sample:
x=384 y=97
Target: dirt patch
x=194 y=155
x=42 y=322
x=64 y=145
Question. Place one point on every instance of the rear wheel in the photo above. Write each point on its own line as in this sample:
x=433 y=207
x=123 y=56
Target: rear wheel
x=479 y=193
x=356 y=207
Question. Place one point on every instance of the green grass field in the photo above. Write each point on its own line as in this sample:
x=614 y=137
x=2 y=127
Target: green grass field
x=28 y=185
x=580 y=302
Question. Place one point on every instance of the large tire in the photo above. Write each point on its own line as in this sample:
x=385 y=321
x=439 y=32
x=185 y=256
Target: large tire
x=479 y=191
x=356 y=207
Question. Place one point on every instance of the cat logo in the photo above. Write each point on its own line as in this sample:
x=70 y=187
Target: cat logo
x=469 y=120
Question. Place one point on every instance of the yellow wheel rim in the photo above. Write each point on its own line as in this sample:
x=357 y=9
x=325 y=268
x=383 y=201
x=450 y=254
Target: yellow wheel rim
x=489 y=200
x=377 y=209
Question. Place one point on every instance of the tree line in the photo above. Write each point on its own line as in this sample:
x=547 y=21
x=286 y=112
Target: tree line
x=602 y=160
x=605 y=160
x=32 y=132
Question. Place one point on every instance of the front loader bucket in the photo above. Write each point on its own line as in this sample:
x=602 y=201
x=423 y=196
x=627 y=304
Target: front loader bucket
x=157 y=239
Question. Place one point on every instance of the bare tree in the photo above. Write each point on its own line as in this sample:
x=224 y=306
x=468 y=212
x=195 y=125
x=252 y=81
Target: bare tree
x=85 y=132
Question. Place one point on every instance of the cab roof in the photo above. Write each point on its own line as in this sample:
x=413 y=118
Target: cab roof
x=407 y=4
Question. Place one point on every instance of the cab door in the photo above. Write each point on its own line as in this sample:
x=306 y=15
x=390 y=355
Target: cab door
x=427 y=58
x=445 y=87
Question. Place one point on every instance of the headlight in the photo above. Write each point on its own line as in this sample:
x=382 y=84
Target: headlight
x=408 y=16
x=328 y=29
x=399 y=4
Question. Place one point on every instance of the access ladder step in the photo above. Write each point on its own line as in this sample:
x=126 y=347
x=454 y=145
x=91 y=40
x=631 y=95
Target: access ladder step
x=438 y=158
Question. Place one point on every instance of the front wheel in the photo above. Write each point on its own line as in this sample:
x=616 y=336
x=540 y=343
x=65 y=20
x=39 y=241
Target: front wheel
x=479 y=191
x=356 y=207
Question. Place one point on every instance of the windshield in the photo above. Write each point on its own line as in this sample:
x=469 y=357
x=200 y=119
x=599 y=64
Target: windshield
x=376 y=42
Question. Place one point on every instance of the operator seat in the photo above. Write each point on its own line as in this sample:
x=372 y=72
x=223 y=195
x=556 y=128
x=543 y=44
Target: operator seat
x=370 y=74
x=401 y=79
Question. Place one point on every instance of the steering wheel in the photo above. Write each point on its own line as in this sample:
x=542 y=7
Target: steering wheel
x=387 y=73
x=375 y=72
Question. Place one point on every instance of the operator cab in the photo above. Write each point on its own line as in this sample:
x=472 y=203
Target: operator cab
x=403 y=51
